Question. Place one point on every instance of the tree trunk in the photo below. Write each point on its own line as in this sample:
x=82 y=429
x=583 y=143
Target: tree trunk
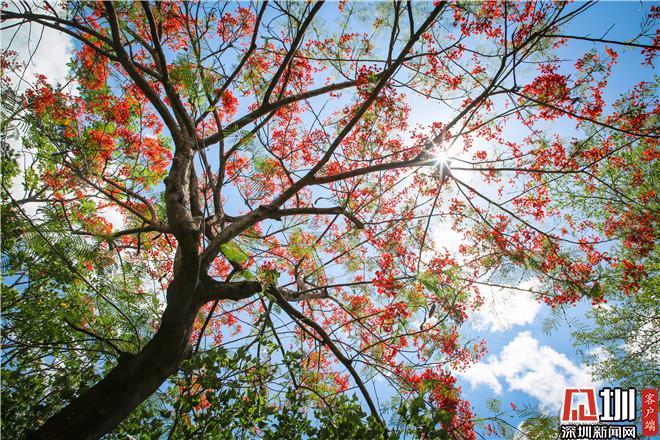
x=101 y=408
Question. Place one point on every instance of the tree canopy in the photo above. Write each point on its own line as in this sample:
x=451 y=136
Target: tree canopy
x=222 y=224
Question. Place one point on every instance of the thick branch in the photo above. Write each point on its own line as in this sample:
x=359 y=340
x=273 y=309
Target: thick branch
x=327 y=340
x=293 y=296
x=179 y=110
x=585 y=118
x=372 y=169
x=603 y=40
x=278 y=214
x=237 y=70
x=231 y=290
x=215 y=290
x=127 y=63
x=386 y=75
x=262 y=212
x=294 y=47
x=268 y=108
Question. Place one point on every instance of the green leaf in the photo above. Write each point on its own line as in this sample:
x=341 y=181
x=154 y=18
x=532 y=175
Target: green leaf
x=233 y=252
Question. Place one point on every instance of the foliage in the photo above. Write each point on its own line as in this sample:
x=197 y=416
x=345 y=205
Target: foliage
x=621 y=345
x=226 y=211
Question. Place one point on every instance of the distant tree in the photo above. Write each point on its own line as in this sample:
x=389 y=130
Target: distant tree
x=621 y=341
x=275 y=256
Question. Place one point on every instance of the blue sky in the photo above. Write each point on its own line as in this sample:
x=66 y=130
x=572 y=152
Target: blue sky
x=524 y=365
x=555 y=360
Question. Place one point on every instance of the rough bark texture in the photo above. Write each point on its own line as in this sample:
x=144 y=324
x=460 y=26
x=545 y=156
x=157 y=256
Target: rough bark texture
x=102 y=407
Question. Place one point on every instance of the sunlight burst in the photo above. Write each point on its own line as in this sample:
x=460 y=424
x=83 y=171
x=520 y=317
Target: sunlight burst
x=442 y=158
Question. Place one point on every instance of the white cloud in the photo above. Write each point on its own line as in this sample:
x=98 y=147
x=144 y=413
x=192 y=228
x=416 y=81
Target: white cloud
x=637 y=342
x=503 y=308
x=447 y=238
x=598 y=355
x=483 y=374
x=526 y=366
x=113 y=215
x=43 y=51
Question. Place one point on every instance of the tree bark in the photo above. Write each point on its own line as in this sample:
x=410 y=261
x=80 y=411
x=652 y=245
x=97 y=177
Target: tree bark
x=103 y=407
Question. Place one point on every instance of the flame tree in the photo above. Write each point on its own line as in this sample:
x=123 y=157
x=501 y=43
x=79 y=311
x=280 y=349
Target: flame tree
x=277 y=203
